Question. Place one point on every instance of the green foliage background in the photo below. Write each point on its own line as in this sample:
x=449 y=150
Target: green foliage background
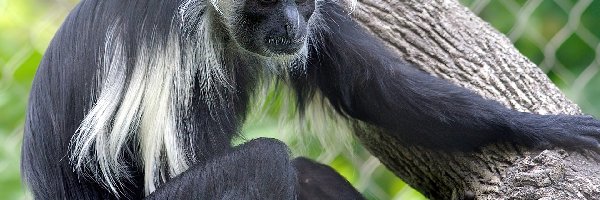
x=26 y=27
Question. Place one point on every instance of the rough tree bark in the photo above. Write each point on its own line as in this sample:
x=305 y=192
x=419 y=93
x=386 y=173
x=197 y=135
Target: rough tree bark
x=447 y=40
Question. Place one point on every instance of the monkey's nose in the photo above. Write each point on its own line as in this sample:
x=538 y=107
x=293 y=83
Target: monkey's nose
x=292 y=22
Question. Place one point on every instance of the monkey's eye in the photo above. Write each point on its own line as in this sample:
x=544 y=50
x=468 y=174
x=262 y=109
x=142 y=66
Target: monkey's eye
x=268 y=2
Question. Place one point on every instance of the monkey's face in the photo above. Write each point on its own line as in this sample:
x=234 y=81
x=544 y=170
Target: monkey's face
x=273 y=27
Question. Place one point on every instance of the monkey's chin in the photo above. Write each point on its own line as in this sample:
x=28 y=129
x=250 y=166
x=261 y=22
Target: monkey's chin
x=284 y=50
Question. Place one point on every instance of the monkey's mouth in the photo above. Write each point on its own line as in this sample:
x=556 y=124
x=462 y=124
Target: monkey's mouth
x=284 y=45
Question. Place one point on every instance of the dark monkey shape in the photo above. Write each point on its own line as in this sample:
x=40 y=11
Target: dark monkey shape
x=142 y=98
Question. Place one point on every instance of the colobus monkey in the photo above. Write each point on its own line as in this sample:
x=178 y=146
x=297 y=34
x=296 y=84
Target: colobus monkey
x=141 y=98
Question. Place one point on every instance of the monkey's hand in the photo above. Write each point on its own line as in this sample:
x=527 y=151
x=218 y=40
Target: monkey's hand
x=318 y=181
x=573 y=132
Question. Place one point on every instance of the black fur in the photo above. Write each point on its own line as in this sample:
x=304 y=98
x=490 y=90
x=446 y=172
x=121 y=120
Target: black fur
x=355 y=72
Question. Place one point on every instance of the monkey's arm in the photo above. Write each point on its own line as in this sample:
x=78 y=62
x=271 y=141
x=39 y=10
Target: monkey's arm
x=364 y=80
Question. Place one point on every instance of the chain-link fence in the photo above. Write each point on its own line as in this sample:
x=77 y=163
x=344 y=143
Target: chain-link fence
x=561 y=36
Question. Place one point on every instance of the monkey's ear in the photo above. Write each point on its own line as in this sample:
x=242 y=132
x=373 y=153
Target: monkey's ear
x=318 y=181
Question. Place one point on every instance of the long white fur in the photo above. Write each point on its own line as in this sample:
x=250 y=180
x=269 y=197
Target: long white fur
x=149 y=107
x=146 y=105
x=90 y=143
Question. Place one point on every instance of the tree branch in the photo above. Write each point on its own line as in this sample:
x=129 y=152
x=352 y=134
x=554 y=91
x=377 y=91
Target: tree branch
x=446 y=39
